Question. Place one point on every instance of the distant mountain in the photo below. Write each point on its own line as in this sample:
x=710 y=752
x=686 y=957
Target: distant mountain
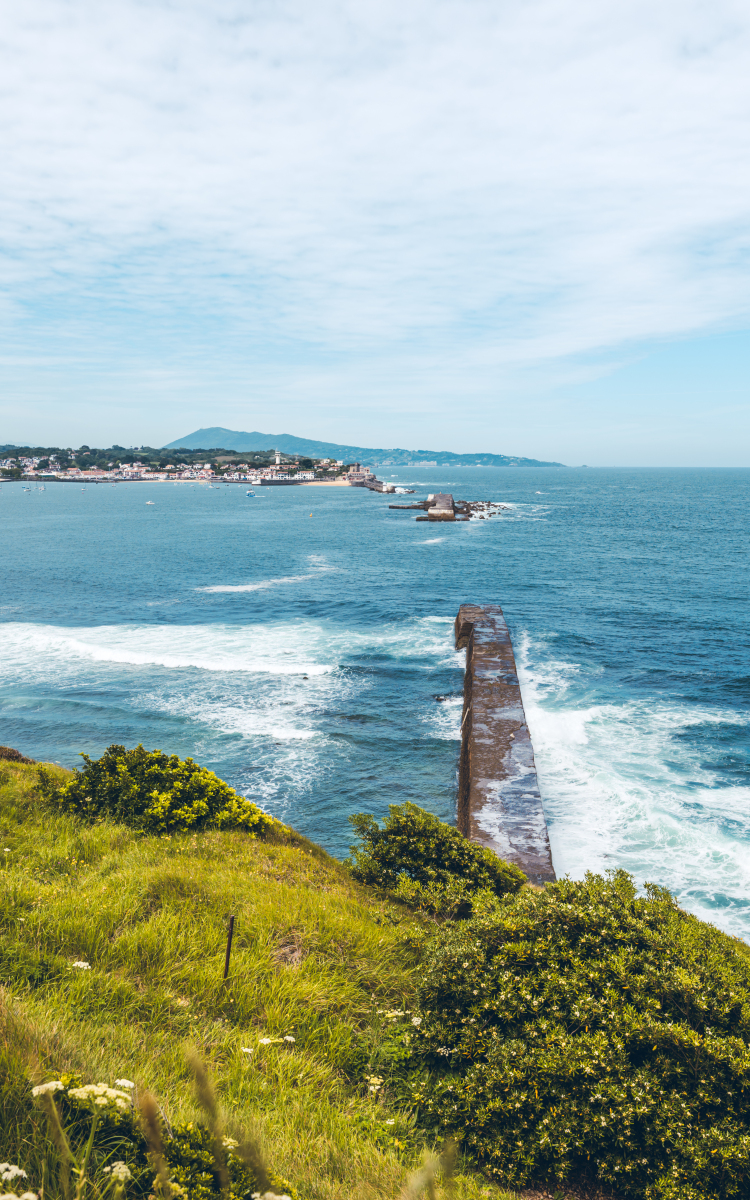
x=217 y=438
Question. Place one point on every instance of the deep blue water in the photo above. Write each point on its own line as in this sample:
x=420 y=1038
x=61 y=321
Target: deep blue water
x=299 y=655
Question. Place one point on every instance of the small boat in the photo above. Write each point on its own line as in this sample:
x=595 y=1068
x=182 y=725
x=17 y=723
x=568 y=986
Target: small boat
x=149 y=502
x=250 y=494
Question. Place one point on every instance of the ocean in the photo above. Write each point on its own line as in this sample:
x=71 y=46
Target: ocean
x=296 y=643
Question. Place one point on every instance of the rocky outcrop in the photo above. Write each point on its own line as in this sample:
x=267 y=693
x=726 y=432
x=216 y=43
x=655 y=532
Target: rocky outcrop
x=499 y=803
x=8 y=754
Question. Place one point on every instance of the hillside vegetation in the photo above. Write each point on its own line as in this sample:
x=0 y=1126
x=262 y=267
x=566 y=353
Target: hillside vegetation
x=579 y=1033
x=316 y=957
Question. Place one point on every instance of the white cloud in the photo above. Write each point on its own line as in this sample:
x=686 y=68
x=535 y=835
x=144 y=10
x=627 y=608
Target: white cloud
x=323 y=196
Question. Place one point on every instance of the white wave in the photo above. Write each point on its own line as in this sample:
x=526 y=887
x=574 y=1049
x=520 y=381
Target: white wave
x=622 y=788
x=284 y=648
x=443 y=720
x=431 y=541
x=252 y=717
x=243 y=682
x=318 y=560
x=255 y=587
x=176 y=647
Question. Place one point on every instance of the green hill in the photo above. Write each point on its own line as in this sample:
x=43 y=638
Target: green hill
x=579 y=1035
x=232 y=439
x=315 y=957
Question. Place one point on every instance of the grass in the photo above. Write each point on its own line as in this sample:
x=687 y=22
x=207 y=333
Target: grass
x=315 y=956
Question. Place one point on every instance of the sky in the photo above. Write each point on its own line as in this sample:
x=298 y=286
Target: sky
x=520 y=228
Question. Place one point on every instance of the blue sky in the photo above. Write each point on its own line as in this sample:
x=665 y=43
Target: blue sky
x=521 y=228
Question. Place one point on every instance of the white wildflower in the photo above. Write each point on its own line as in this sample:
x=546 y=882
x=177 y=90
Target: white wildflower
x=119 y=1171
x=9 y=1171
x=27 y=1196
x=82 y=966
x=101 y=1094
x=246 y=1049
x=54 y=1085
x=288 y=1038
x=124 y=1083
x=416 y=1020
x=390 y=1122
x=229 y=1143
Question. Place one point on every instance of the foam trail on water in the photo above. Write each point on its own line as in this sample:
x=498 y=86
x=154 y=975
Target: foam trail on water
x=255 y=587
x=625 y=786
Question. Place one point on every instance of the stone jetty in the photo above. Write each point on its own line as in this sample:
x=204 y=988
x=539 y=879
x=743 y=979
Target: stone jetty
x=499 y=803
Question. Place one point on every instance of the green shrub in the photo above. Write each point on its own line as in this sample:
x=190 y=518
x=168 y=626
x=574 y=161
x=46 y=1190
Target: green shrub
x=586 y=1030
x=426 y=863
x=154 y=792
x=107 y=1114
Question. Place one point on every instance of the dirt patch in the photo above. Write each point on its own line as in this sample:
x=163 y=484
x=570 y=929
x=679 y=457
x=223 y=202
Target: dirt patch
x=568 y=1191
x=289 y=950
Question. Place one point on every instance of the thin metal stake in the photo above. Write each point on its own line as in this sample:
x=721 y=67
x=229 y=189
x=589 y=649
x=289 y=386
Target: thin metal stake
x=229 y=946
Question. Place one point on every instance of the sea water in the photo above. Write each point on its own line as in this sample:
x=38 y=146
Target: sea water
x=299 y=643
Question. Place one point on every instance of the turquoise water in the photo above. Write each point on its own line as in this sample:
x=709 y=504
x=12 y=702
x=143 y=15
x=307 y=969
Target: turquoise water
x=300 y=655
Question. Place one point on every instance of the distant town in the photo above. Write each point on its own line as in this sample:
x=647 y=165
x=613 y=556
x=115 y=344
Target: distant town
x=146 y=464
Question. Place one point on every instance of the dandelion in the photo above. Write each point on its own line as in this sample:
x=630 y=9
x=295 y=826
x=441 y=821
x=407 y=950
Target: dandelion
x=54 y=1085
x=82 y=966
x=119 y=1171
x=128 y=1083
x=8 y=1172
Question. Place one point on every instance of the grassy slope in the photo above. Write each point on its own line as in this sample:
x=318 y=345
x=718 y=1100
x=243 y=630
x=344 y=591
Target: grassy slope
x=315 y=955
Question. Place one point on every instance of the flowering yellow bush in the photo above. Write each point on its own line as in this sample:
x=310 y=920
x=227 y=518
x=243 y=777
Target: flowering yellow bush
x=154 y=792
x=587 y=1030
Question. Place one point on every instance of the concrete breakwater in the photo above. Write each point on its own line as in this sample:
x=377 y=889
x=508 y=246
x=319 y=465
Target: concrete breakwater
x=499 y=803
